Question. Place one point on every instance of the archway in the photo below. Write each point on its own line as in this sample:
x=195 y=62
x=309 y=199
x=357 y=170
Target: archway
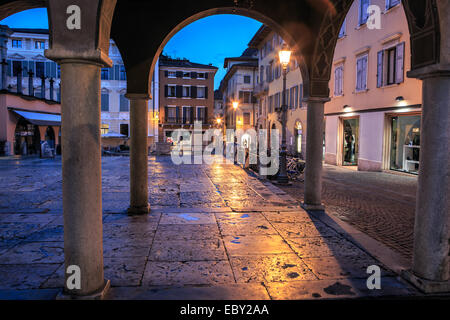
x=26 y=138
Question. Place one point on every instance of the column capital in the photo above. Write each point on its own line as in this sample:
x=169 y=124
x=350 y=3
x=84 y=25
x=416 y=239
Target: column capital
x=137 y=96
x=432 y=71
x=96 y=57
x=316 y=99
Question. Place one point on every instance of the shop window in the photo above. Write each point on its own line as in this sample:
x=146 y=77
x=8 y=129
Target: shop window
x=351 y=141
x=104 y=129
x=405 y=143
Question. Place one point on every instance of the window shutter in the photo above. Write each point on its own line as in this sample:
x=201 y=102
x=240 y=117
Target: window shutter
x=205 y=120
x=184 y=115
x=194 y=75
x=179 y=91
x=206 y=75
x=166 y=73
x=178 y=114
x=300 y=94
x=206 y=92
x=166 y=111
x=31 y=67
x=179 y=74
x=193 y=92
x=400 y=63
x=380 y=58
x=9 y=72
x=24 y=68
x=116 y=72
x=166 y=91
x=192 y=114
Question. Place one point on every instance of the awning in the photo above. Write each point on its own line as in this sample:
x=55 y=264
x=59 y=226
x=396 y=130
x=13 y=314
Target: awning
x=39 y=118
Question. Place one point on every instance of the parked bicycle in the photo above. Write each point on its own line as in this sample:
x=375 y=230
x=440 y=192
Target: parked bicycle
x=295 y=168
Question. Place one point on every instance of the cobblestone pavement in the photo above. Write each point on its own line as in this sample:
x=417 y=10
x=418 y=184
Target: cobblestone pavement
x=215 y=232
x=380 y=204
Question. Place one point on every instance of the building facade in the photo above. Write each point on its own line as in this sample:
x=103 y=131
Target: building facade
x=238 y=86
x=269 y=88
x=373 y=118
x=27 y=67
x=186 y=95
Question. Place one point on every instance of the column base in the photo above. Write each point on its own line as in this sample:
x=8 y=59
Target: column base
x=424 y=285
x=139 y=210
x=98 y=295
x=312 y=207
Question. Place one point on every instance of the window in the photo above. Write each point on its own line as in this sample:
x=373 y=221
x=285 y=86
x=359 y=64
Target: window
x=261 y=74
x=342 y=31
x=17 y=67
x=291 y=103
x=123 y=104
x=39 y=69
x=16 y=43
x=361 y=73
x=105 y=101
x=390 y=55
x=391 y=3
x=363 y=15
x=186 y=92
x=171 y=91
x=245 y=96
x=201 y=114
x=186 y=75
x=246 y=118
x=187 y=114
x=124 y=129
x=247 y=79
x=105 y=74
x=339 y=80
x=39 y=44
x=201 y=75
x=123 y=74
x=171 y=114
x=201 y=92
x=104 y=128
x=390 y=65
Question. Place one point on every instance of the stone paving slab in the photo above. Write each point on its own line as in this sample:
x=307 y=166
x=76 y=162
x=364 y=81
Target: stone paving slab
x=188 y=273
x=188 y=250
x=248 y=291
x=270 y=268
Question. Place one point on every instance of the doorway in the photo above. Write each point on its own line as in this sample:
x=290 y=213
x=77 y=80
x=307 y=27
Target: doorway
x=350 y=147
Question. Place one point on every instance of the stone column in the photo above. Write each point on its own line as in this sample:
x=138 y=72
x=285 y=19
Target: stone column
x=314 y=154
x=81 y=175
x=430 y=270
x=138 y=154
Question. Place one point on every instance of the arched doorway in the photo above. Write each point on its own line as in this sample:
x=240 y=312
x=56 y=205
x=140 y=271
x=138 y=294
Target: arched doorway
x=26 y=138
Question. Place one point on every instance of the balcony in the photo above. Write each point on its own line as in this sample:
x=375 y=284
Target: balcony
x=261 y=89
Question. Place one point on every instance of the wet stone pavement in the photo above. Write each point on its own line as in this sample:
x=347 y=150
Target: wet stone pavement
x=215 y=232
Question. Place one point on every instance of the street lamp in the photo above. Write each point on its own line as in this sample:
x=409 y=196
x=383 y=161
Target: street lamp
x=235 y=106
x=285 y=57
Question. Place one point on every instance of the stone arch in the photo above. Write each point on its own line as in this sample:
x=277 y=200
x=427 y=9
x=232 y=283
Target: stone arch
x=14 y=6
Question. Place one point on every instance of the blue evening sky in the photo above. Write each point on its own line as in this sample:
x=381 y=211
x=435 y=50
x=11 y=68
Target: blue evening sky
x=209 y=40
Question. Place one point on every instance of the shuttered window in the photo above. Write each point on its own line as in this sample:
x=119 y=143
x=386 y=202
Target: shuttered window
x=338 y=81
x=363 y=15
x=105 y=102
x=123 y=103
x=361 y=73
